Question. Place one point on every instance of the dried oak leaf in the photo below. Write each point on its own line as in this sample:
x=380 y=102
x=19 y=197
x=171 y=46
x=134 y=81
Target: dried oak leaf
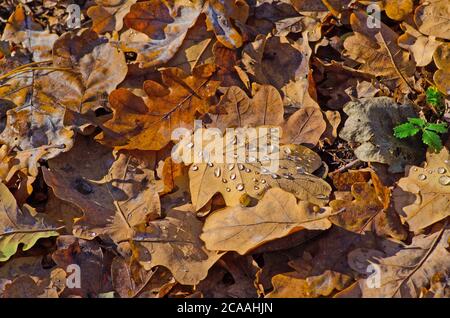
x=368 y=202
x=174 y=242
x=234 y=180
x=410 y=269
x=96 y=69
x=219 y=14
x=131 y=280
x=107 y=16
x=20 y=226
x=441 y=77
x=22 y=29
x=371 y=122
x=157 y=29
x=295 y=285
x=379 y=53
x=46 y=282
x=275 y=216
x=422 y=197
x=115 y=191
x=235 y=109
x=92 y=263
x=432 y=18
x=421 y=47
x=266 y=56
x=147 y=123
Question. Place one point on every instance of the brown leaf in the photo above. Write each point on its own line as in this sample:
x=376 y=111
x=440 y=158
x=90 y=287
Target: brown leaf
x=114 y=191
x=147 y=123
x=173 y=242
x=107 y=16
x=422 y=197
x=432 y=18
x=277 y=215
x=157 y=29
x=20 y=226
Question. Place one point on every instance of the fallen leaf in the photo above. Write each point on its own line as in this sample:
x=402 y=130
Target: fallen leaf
x=116 y=195
x=422 y=197
x=432 y=18
x=20 y=226
x=107 y=16
x=173 y=242
x=277 y=215
x=377 y=143
x=147 y=123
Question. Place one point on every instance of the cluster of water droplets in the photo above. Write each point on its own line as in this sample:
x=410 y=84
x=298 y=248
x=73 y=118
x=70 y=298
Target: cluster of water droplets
x=444 y=179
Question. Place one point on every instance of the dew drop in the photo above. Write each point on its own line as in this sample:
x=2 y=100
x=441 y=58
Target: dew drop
x=233 y=176
x=251 y=159
x=210 y=164
x=93 y=234
x=300 y=170
x=287 y=151
x=422 y=176
x=256 y=188
x=430 y=171
x=240 y=187
x=264 y=171
x=255 y=180
x=441 y=170
x=263 y=181
x=224 y=180
x=444 y=180
x=231 y=166
x=321 y=197
x=217 y=172
x=248 y=170
x=286 y=176
x=228 y=189
x=190 y=145
x=275 y=176
x=415 y=169
x=241 y=166
x=194 y=168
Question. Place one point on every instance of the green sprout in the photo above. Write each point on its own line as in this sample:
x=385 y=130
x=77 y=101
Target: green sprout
x=435 y=97
x=430 y=132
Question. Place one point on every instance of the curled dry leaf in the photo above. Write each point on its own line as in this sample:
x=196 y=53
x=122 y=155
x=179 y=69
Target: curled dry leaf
x=108 y=16
x=147 y=123
x=276 y=215
x=20 y=226
x=422 y=197
x=157 y=29
x=174 y=242
x=219 y=14
x=115 y=191
x=377 y=143
x=266 y=56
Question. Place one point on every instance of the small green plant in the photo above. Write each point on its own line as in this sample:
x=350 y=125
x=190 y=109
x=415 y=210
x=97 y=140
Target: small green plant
x=435 y=97
x=430 y=132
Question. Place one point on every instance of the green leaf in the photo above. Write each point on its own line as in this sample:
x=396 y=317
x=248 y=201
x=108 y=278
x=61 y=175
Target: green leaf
x=434 y=97
x=417 y=121
x=405 y=130
x=432 y=139
x=438 y=128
